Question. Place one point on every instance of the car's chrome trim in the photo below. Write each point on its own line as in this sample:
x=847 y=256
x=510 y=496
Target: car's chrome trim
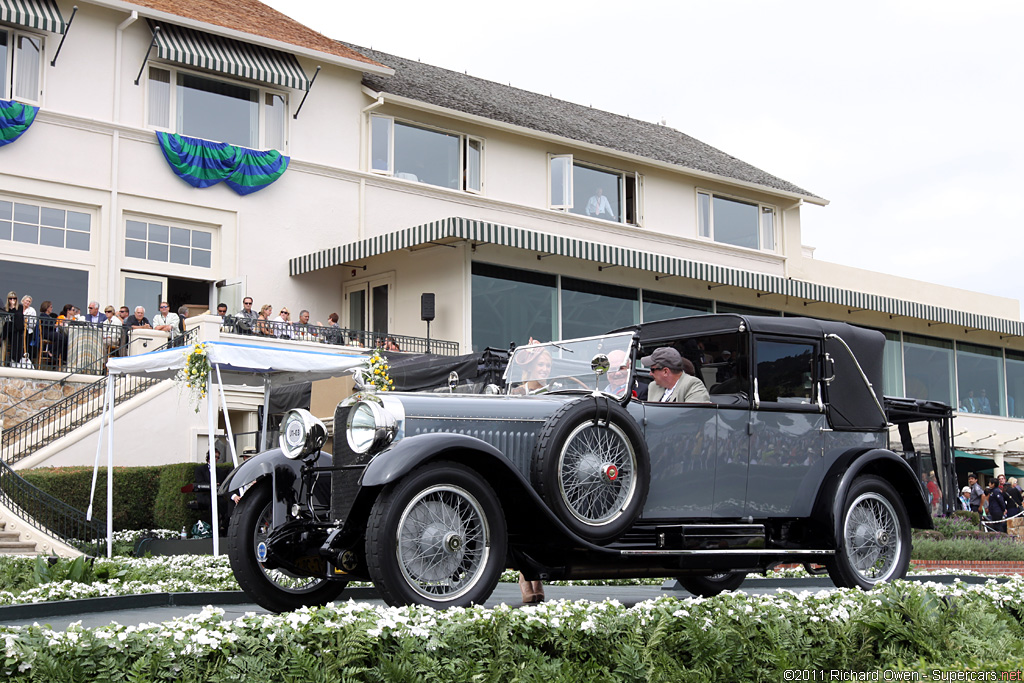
x=727 y=552
x=477 y=419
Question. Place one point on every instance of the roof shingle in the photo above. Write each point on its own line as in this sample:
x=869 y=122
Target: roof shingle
x=479 y=97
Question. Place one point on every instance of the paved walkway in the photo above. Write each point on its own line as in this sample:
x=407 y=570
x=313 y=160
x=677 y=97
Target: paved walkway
x=125 y=610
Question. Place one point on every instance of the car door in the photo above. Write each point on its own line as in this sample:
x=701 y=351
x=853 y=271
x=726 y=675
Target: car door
x=787 y=428
x=682 y=443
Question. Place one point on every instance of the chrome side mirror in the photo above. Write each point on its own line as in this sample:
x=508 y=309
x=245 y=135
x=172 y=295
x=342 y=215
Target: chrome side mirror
x=600 y=364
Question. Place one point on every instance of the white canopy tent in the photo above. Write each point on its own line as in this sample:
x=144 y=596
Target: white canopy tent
x=230 y=363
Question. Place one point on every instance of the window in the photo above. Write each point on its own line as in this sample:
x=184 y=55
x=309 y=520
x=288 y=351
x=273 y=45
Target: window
x=980 y=381
x=588 y=190
x=785 y=372
x=512 y=305
x=1014 y=383
x=217 y=110
x=892 y=365
x=592 y=308
x=661 y=306
x=44 y=225
x=739 y=223
x=21 y=55
x=425 y=155
x=168 y=244
x=928 y=368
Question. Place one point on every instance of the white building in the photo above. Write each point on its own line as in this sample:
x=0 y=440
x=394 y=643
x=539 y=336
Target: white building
x=407 y=179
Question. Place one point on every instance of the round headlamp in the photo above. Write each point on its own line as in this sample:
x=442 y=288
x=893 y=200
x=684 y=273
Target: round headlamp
x=301 y=434
x=370 y=428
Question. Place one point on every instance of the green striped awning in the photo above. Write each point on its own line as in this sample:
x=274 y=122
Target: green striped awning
x=207 y=51
x=451 y=229
x=41 y=14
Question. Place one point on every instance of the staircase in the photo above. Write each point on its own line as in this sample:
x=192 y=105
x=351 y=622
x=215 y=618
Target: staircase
x=11 y=543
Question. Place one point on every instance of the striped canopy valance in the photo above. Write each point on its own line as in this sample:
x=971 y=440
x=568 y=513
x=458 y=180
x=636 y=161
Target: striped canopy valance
x=40 y=14
x=662 y=264
x=227 y=56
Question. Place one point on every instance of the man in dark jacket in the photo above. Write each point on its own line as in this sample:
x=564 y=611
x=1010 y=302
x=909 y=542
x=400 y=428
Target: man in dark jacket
x=996 y=507
x=1014 y=500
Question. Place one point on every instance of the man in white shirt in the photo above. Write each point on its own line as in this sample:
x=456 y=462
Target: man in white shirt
x=671 y=384
x=166 y=321
x=598 y=206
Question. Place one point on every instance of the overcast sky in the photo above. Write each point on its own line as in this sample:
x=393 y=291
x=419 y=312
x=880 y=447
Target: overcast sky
x=906 y=115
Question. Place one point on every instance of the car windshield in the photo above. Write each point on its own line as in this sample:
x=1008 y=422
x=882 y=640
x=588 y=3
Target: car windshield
x=566 y=366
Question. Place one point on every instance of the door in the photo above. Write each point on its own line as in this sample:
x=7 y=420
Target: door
x=230 y=292
x=368 y=305
x=144 y=290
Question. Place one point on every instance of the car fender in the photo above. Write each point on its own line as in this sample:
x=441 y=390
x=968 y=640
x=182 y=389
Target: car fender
x=852 y=464
x=285 y=474
x=512 y=487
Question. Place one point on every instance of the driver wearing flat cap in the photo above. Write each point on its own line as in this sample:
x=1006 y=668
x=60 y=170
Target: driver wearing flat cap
x=671 y=384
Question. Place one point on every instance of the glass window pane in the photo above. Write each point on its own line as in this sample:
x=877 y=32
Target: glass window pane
x=659 y=306
x=77 y=240
x=159 y=97
x=512 y=305
x=4 y=50
x=26 y=213
x=5 y=230
x=785 y=372
x=158 y=233
x=560 y=182
x=181 y=236
x=27 y=57
x=928 y=365
x=274 y=113
x=51 y=237
x=427 y=156
x=767 y=228
x=134 y=249
x=892 y=365
x=202 y=240
x=200 y=258
x=29 y=234
x=596 y=193
x=180 y=255
x=703 y=214
x=739 y=309
x=136 y=230
x=5 y=210
x=380 y=145
x=217 y=110
x=157 y=252
x=736 y=223
x=592 y=308
x=52 y=217
x=473 y=157
x=1014 y=384
x=78 y=221
x=979 y=371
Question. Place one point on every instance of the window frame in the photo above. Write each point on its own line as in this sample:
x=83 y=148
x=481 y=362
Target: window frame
x=761 y=207
x=12 y=65
x=464 y=143
x=42 y=205
x=169 y=268
x=627 y=205
x=262 y=91
x=816 y=401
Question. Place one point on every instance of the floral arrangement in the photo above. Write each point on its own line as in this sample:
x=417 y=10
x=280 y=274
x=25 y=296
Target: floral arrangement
x=195 y=375
x=378 y=372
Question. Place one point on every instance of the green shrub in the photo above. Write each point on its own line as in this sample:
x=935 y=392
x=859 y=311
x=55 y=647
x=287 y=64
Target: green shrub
x=974 y=517
x=170 y=509
x=134 y=491
x=1000 y=548
x=949 y=526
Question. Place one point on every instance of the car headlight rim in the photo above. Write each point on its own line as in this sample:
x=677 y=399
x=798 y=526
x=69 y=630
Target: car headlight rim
x=370 y=427
x=301 y=434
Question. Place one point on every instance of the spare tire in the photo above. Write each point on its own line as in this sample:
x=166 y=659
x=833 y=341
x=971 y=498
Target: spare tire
x=591 y=467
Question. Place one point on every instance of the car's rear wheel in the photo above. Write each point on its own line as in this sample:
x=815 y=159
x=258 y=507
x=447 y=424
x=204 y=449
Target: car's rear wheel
x=712 y=584
x=275 y=589
x=436 y=537
x=874 y=536
x=591 y=467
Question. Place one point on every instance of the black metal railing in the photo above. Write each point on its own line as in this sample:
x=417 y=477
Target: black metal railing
x=71 y=346
x=385 y=341
x=46 y=513
x=71 y=412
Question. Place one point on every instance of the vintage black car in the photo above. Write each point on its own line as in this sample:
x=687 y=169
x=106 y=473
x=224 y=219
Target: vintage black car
x=567 y=473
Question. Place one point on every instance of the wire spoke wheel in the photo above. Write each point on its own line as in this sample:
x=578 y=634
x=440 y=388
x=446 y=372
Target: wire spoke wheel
x=597 y=472
x=872 y=537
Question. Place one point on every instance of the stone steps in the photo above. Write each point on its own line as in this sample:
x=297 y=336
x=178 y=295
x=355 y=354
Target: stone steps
x=11 y=543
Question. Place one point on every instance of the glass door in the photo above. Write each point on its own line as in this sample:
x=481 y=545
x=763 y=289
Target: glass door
x=368 y=306
x=144 y=290
x=230 y=292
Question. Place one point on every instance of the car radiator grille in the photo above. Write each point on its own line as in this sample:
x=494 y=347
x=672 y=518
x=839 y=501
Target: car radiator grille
x=515 y=444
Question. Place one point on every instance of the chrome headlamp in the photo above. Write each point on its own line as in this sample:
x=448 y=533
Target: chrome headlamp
x=301 y=434
x=370 y=427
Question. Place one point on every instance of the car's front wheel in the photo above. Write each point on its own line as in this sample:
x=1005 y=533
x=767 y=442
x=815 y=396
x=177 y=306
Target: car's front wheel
x=712 y=584
x=275 y=589
x=874 y=540
x=436 y=537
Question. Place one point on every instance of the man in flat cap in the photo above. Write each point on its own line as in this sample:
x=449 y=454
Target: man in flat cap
x=671 y=384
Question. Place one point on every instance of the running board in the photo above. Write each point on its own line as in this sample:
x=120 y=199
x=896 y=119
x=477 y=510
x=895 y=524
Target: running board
x=726 y=552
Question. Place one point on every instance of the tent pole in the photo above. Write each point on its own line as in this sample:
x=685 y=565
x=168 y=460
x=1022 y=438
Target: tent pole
x=266 y=411
x=99 y=449
x=227 y=421
x=211 y=461
x=110 y=474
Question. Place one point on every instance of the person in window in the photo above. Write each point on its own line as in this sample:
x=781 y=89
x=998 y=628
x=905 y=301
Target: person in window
x=671 y=383
x=598 y=206
x=984 y=406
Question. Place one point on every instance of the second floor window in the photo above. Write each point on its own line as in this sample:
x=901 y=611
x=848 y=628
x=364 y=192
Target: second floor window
x=218 y=110
x=735 y=222
x=588 y=190
x=21 y=55
x=426 y=155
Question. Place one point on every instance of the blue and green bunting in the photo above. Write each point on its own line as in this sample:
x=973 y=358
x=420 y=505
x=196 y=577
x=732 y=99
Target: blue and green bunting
x=15 y=118
x=202 y=163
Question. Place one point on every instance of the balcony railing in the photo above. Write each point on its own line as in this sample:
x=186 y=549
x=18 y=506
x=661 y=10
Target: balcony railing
x=270 y=329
